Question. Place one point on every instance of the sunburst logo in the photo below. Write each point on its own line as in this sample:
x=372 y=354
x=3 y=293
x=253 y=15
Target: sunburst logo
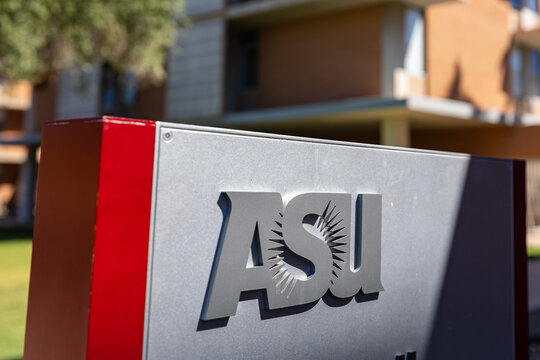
x=303 y=249
x=327 y=226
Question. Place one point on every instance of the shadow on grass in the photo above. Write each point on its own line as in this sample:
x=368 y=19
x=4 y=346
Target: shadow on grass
x=15 y=233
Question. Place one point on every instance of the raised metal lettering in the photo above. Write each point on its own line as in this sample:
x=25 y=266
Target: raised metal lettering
x=304 y=248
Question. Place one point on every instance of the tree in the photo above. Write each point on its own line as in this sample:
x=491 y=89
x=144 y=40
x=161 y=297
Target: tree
x=40 y=37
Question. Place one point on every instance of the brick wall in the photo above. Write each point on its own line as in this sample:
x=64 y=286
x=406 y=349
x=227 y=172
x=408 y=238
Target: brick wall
x=467 y=44
x=324 y=58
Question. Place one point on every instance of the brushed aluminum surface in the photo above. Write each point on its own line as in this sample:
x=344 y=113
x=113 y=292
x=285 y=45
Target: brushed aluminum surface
x=446 y=259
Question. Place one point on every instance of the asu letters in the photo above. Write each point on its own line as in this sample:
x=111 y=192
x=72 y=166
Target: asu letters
x=300 y=251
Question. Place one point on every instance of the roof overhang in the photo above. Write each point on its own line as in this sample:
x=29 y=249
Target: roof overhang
x=422 y=112
x=13 y=154
x=13 y=103
x=268 y=11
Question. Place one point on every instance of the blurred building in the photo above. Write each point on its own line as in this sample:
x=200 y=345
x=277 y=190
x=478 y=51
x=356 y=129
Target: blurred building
x=16 y=145
x=452 y=75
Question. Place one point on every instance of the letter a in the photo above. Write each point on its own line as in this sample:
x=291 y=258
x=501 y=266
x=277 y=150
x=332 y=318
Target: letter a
x=244 y=211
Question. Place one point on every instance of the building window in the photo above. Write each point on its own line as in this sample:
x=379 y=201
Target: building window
x=531 y=5
x=516 y=72
x=249 y=61
x=118 y=92
x=243 y=70
x=414 y=61
x=533 y=73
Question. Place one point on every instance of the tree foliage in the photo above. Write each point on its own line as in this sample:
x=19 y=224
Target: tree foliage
x=40 y=37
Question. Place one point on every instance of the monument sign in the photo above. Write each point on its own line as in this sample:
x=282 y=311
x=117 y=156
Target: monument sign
x=166 y=241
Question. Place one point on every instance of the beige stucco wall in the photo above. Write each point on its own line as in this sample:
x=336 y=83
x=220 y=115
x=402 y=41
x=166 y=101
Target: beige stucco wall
x=467 y=43
x=325 y=58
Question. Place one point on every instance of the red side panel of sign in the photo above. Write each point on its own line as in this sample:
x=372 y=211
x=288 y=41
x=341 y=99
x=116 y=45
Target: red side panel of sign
x=121 y=244
x=91 y=240
x=117 y=301
x=62 y=248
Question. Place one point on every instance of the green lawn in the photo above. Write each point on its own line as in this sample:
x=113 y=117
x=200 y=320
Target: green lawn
x=533 y=252
x=15 y=252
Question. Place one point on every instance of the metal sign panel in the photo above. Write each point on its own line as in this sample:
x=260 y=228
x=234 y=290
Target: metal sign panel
x=434 y=250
